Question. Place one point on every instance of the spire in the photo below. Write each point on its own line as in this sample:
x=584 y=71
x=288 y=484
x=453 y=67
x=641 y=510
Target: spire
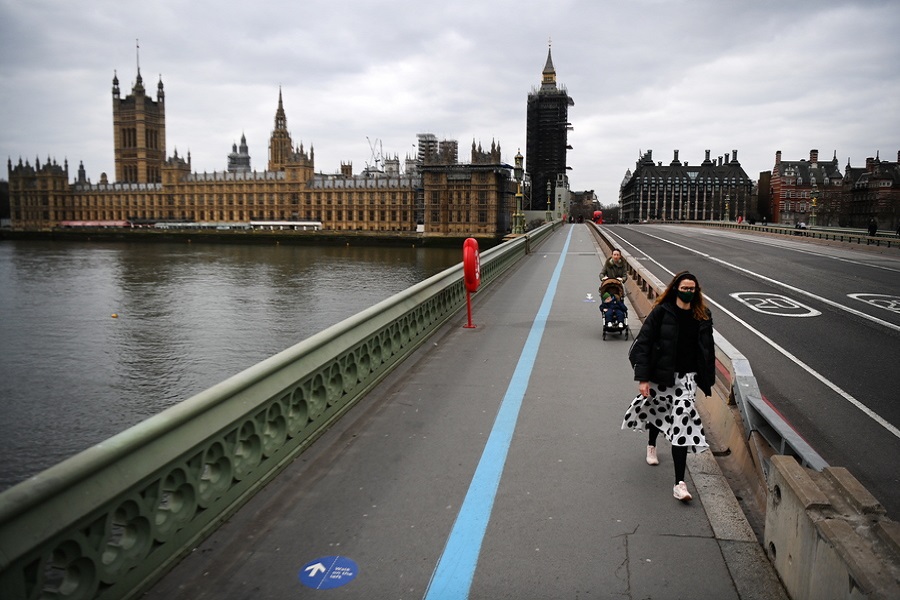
x=280 y=118
x=548 y=81
x=548 y=66
x=139 y=83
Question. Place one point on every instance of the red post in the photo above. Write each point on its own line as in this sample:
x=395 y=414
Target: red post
x=471 y=274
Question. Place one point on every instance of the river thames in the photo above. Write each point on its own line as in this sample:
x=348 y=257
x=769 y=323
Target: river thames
x=97 y=337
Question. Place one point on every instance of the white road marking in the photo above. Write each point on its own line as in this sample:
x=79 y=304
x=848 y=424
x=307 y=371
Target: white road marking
x=833 y=386
x=795 y=247
x=885 y=301
x=768 y=303
x=782 y=284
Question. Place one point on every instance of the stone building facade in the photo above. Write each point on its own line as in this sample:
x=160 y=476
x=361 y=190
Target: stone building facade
x=139 y=133
x=467 y=199
x=712 y=190
x=461 y=198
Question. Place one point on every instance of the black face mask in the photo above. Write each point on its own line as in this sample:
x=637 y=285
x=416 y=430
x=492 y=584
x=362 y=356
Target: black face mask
x=686 y=296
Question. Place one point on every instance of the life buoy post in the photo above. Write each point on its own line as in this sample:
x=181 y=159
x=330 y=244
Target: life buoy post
x=471 y=274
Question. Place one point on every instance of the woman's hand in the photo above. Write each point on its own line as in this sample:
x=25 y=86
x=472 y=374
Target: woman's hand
x=644 y=388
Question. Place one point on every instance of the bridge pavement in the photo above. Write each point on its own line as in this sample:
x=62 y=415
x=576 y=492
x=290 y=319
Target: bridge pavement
x=491 y=464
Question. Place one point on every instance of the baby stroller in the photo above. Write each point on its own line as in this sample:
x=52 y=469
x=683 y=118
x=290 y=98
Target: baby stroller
x=612 y=307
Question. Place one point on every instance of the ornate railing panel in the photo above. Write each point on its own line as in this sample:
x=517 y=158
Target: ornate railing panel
x=109 y=521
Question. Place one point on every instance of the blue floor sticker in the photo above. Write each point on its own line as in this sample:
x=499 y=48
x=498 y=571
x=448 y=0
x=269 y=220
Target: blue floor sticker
x=328 y=572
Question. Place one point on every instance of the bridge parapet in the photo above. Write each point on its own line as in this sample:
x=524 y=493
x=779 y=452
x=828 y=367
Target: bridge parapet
x=832 y=234
x=828 y=537
x=109 y=521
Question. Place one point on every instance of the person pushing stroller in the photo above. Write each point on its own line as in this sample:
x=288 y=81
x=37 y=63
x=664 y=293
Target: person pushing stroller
x=612 y=307
x=614 y=266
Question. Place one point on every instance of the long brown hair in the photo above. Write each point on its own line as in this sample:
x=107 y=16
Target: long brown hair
x=698 y=304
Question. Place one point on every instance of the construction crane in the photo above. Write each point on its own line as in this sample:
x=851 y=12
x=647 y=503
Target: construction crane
x=375 y=164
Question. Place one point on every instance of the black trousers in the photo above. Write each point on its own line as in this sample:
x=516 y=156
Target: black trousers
x=679 y=454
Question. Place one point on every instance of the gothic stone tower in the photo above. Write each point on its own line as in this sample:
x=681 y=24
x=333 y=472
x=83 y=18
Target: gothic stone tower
x=139 y=130
x=546 y=136
x=297 y=164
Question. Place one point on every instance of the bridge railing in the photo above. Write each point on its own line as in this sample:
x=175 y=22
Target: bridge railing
x=109 y=521
x=836 y=234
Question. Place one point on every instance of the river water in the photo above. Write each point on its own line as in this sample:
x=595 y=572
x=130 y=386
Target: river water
x=95 y=338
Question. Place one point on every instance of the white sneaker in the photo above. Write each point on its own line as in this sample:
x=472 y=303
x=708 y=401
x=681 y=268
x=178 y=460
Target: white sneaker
x=651 y=456
x=681 y=492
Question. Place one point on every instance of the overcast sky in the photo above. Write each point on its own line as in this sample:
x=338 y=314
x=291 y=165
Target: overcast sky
x=754 y=76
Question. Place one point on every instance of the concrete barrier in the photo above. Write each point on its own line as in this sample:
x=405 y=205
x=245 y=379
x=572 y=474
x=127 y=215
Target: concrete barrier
x=828 y=537
x=825 y=534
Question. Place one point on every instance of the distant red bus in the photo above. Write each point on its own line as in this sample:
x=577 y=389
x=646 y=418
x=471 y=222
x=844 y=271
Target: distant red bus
x=598 y=217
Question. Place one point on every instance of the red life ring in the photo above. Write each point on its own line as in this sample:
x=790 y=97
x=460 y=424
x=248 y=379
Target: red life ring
x=471 y=264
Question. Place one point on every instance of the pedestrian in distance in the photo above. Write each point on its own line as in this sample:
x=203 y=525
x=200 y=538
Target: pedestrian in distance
x=673 y=355
x=873 y=227
x=615 y=266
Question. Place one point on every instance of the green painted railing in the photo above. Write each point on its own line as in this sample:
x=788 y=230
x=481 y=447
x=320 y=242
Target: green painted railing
x=111 y=520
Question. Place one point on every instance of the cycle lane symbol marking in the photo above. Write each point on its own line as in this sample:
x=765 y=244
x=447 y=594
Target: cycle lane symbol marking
x=883 y=301
x=774 y=304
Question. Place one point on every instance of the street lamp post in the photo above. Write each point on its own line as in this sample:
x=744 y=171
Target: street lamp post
x=549 y=216
x=518 y=173
x=814 y=194
x=727 y=208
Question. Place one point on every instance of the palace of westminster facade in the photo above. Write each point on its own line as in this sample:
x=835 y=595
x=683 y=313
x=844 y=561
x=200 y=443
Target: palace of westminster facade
x=436 y=195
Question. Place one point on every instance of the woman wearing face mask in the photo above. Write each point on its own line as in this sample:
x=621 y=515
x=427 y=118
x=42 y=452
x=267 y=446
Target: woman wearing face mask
x=672 y=356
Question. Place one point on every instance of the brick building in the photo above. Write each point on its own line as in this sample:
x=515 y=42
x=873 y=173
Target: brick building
x=794 y=183
x=849 y=199
x=871 y=192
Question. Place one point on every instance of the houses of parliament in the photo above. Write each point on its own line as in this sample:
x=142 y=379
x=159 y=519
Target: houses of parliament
x=435 y=195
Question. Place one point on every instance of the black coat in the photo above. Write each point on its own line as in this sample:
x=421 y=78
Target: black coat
x=653 y=353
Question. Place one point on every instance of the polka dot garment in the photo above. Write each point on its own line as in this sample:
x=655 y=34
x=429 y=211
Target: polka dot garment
x=672 y=410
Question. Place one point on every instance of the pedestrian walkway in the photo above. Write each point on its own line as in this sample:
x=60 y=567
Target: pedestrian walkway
x=491 y=465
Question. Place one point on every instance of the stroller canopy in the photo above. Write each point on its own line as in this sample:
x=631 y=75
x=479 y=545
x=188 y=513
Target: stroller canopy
x=612 y=286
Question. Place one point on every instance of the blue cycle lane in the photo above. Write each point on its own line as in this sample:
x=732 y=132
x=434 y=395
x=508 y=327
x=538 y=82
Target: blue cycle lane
x=490 y=465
